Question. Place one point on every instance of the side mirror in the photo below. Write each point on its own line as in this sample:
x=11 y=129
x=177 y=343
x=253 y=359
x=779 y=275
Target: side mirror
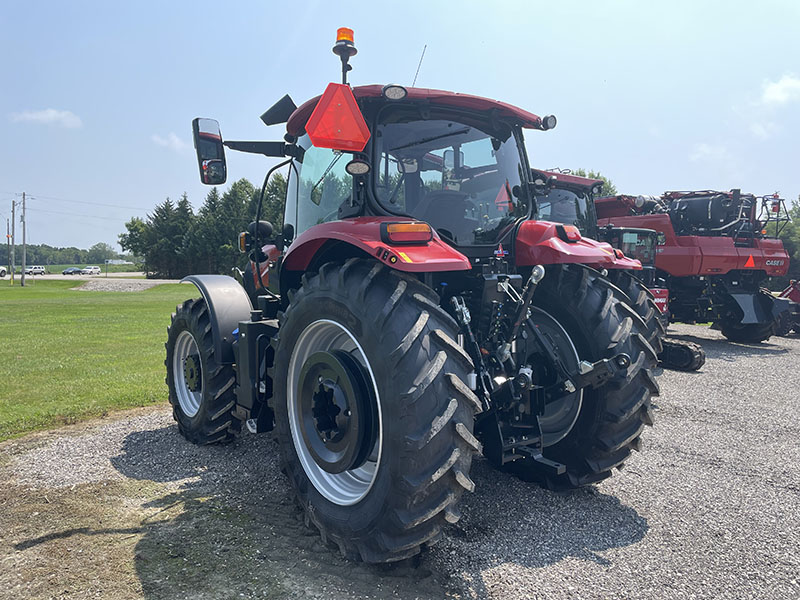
x=210 y=151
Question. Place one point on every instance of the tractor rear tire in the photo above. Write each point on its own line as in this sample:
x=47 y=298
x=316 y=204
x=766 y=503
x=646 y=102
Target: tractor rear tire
x=752 y=333
x=642 y=301
x=602 y=322
x=201 y=390
x=414 y=453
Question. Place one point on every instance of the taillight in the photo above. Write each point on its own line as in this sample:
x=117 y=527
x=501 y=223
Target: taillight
x=568 y=233
x=406 y=233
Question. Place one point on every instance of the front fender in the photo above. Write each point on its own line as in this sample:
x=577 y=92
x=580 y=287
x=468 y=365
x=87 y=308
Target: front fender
x=364 y=233
x=538 y=243
x=228 y=304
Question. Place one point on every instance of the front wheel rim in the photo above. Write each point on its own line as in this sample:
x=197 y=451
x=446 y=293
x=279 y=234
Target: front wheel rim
x=186 y=350
x=351 y=486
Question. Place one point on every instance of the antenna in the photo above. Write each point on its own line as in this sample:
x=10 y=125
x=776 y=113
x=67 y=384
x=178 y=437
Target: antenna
x=419 y=65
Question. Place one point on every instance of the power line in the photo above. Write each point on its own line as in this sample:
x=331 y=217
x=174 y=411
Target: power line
x=40 y=197
x=55 y=212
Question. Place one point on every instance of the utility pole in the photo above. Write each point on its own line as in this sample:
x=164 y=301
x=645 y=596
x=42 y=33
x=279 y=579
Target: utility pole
x=8 y=242
x=13 y=239
x=24 y=246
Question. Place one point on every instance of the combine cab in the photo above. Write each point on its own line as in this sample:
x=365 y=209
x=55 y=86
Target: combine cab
x=412 y=310
x=569 y=199
x=714 y=250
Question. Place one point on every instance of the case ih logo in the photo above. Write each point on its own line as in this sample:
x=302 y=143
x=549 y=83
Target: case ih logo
x=774 y=263
x=500 y=253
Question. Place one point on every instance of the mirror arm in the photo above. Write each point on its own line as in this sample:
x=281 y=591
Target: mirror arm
x=277 y=149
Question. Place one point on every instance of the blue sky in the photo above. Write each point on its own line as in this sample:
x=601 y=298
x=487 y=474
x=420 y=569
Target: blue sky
x=97 y=97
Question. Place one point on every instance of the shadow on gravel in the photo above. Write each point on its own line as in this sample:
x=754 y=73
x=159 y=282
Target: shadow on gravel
x=510 y=522
x=231 y=528
x=730 y=351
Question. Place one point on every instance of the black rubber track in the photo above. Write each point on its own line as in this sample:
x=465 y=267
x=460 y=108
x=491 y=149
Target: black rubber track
x=680 y=355
x=428 y=410
x=602 y=322
x=215 y=421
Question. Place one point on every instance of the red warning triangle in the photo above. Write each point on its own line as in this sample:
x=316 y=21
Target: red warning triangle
x=337 y=122
x=750 y=262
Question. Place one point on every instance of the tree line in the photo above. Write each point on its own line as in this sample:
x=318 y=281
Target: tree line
x=174 y=241
x=42 y=254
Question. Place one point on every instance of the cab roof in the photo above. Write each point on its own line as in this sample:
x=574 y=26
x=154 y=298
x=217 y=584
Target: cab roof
x=297 y=121
x=569 y=179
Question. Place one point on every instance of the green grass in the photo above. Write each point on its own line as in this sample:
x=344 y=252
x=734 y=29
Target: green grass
x=66 y=355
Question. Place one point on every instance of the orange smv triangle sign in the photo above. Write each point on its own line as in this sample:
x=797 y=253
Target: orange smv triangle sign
x=750 y=262
x=337 y=122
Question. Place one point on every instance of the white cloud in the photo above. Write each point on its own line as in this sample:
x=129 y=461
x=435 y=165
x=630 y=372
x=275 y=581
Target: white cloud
x=172 y=141
x=709 y=153
x=783 y=91
x=49 y=116
x=763 y=130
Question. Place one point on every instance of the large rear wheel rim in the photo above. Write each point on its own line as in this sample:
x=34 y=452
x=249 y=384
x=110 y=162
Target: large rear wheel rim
x=351 y=486
x=559 y=416
x=186 y=350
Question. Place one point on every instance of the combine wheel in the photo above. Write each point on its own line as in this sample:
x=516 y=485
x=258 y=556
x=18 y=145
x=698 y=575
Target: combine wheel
x=374 y=417
x=784 y=324
x=602 y=321
x=752 y=333
x=201 y=390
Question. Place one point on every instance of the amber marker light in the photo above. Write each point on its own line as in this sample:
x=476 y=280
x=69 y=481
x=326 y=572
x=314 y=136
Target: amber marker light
x=568 y=233
x=344 y=34
x=406 y=233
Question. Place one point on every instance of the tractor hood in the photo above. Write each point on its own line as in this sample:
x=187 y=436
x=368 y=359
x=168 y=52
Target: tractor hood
x=539 y=243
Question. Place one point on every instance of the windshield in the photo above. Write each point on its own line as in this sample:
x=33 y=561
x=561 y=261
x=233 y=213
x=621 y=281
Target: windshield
x=318 y=188
x=564 y=206
x=454 y=176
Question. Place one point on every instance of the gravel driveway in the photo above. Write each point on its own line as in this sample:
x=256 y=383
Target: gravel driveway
x=125 y=508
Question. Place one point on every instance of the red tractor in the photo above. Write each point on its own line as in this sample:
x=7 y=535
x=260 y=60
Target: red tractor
x=411 y=312
x=569 y=199
x=714 y=250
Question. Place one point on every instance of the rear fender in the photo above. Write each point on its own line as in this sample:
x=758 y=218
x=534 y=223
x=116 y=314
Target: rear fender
x=228 y=303
x=364 y=234
x=538 y=243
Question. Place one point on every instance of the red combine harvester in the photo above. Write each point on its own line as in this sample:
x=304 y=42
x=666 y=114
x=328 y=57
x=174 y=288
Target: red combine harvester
x=569 y=199
x=713 y=252
x=413 y=310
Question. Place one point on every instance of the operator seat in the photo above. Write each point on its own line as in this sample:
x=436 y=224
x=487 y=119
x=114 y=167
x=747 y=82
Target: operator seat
x=446 y=210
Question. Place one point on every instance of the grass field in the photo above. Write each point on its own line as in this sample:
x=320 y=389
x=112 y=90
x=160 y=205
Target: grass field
x=67 y=354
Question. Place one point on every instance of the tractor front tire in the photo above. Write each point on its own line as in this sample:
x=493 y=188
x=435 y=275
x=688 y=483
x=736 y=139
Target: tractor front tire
x=602 y=322
x=373 y=414
x=201 y=390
